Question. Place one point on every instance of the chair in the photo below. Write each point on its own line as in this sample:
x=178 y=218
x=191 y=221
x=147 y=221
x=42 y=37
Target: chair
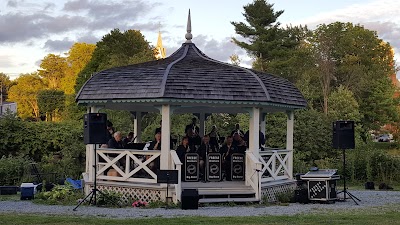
x=77 y=184
x=39 y=176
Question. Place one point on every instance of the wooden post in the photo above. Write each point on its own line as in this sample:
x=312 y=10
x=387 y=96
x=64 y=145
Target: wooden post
x=202 y=124
x=254 y=130
x=165 y=137
x=289 y=140
x=137 y=127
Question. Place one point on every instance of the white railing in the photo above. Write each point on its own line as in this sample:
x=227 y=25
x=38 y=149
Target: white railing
x=177 y=165
x=253 y=168
x=276 y=164
x=126 y=165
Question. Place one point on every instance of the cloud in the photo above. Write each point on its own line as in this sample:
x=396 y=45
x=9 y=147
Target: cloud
x=218 y=49
x=12 y=3
x=113 y=14
x=58 y=45
x=18 y=27
x=88 y=38
x=6 y=61
x=33 y=22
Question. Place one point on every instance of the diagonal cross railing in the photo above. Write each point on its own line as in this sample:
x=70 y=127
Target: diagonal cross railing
x=275 y=164
x=129 y=165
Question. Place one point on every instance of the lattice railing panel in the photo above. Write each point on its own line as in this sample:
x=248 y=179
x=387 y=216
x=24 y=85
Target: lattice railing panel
x=129 y=195
x=270 y=193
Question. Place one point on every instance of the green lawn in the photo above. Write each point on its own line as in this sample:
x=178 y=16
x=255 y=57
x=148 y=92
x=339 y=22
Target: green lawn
x=382 y=215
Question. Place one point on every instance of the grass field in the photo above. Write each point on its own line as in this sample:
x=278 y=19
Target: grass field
x=382 y=215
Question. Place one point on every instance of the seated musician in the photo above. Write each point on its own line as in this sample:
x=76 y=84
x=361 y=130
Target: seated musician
x=128 y=140
x=183 y=148
x=214 y=137
x=240 y=144
x=154 y=145
x=227 y=150
x=204 y=149
x=116 y=142
x=192 y=132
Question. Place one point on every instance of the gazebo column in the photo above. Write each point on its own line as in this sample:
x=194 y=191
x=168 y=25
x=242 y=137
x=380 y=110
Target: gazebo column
x=289 y=141
x=254 y=129
x=137 y=127
x=165 y=136
x=202 y=124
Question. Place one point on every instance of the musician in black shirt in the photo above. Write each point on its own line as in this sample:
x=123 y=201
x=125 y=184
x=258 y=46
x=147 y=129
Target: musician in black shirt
x=237 y=130
x=214 y=137
x=192 y=132
x=204 y=149
x=227 y=150
x=182 y=149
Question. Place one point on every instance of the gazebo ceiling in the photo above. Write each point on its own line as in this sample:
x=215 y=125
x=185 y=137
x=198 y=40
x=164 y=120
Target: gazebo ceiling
x=189 y=76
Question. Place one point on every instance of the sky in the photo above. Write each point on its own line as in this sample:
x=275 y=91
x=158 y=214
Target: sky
x=31 y=29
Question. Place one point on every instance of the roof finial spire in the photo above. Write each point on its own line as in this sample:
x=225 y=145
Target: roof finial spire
x=189 y=35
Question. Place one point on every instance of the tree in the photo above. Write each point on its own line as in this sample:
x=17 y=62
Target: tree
x=77 y=58
x=235 y=60
x=116 y=49
x=324 y=44
x=5 y=85
x=265 y=41
x=24 y=93
x=50 y=103
x=343 y=105
x=53 y=70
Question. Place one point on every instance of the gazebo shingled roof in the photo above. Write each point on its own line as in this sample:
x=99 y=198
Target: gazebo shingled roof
x=191 y=75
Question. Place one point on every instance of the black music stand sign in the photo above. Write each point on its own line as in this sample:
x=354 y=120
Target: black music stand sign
x=214 y=167
x=237 y=166
x=167 y=177
x=192 y=167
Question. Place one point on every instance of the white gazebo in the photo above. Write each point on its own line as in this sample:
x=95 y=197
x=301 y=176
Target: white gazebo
x=188 y=81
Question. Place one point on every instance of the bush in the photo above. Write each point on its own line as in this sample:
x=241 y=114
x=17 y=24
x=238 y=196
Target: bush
x=109 y=198
x=41 y=140
x=60 y=194
x=12 y=169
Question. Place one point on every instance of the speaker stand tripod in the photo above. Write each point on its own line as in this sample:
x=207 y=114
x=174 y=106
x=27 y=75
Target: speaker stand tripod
x=345 y=192
x=93 y=193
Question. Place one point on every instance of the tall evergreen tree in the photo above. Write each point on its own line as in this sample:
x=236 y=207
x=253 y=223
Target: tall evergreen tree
x=264 y=39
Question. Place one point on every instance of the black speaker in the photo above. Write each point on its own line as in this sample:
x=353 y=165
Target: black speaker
x=190 y=199
x=343 y=135
x=95 y=128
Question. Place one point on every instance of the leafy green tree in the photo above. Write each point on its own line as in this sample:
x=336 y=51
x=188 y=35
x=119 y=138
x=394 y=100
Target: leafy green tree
x=24 y=93
x=116 y=49
x=51 y=102
x=53 y=68
x=379 y=108
x=77 y=58
x=5 y=85
x=343 y=105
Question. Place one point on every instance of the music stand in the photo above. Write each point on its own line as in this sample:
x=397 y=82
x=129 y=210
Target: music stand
x=167 y=177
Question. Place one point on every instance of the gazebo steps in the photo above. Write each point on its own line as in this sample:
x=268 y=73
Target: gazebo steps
x=221 y=200
x=226 y=191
